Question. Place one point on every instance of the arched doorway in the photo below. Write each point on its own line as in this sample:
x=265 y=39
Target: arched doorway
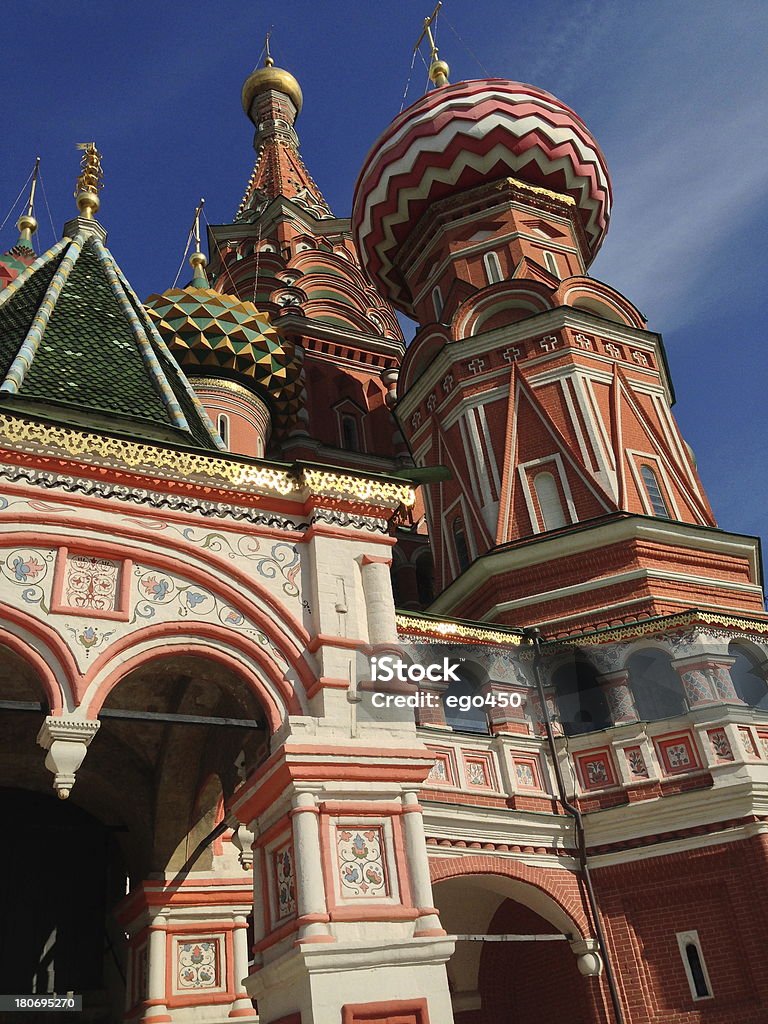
x=61 y=872
x=511 y=982
x=177 y=733
x=61 y=869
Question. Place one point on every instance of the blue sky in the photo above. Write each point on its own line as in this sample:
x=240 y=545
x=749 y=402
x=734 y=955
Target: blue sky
x=676 y=92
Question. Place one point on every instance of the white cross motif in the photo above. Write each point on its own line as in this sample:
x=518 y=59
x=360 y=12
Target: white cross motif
x=416 y=419
x=476 y=365
x=583 y=341
x=548 y=343
x=510 y=354
x=447 y=383
x=640 y=358
x=431 y=403
x=613 y=350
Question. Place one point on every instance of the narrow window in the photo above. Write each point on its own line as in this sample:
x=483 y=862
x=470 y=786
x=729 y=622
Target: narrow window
x=393 y=576
x=551 y=262
x=693 y=962
x=492 y=267
x=550 y=503
x=425 y=578
x=653 y=490
x=223 y=428
x=460 y=544
x=437 y=302
x=350 y=436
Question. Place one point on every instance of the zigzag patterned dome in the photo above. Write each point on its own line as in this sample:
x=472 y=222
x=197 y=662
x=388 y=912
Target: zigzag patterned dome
x=460 y=136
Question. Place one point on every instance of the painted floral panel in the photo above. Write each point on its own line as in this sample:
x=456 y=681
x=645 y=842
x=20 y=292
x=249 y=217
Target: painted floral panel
x=285 y=882
x=360 y=857
x=198 y=964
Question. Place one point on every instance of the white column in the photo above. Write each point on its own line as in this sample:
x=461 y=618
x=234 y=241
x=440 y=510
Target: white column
x=418 y=865
x=379 y=603
x=157 y=1011
x=310 y=896
x=242 y=1006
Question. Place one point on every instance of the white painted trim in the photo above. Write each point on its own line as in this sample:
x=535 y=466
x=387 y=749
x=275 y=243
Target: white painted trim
x=591 y=398
x=546 y=322
x=489 y=447
x=589 y=457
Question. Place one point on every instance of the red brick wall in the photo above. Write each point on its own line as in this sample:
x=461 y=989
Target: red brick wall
x=719 y=892
x=531 y=982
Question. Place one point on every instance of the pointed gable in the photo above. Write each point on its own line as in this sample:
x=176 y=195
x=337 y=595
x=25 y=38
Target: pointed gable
x=75 y=343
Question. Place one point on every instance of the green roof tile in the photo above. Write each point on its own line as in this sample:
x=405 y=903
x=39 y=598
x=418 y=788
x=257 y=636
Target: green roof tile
x=89 y=357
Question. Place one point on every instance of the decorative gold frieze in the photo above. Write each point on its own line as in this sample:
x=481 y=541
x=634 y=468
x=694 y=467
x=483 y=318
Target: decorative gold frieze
x=299 y=483
x=456 y=630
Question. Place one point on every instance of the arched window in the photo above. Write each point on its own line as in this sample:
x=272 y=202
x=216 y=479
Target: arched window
x=350 y=435
x=550 y=503
x=580 y=699
x=656 y=686
x=748 y=681
x=437 y=302
x=551 y=262
x=425 y=578
x=222 y=426
x=460 y=544
x=492 y=268
x=653 y=490
x=689 y=945
x=465 y=707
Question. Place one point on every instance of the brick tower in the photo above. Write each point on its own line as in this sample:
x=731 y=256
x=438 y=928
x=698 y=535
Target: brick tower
x=479 y=212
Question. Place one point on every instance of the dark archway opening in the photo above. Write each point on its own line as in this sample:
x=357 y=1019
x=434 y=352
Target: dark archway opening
x=580 y=700
x=656 y=686
x=61 y=873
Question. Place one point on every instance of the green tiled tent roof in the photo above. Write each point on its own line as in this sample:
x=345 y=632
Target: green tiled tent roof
x=74 y=339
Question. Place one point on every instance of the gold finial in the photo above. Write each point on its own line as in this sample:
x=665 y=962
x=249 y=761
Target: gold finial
x=438 y=69
x=268 y=61
x=27 y=223
x=198 y=260
x=90 y=179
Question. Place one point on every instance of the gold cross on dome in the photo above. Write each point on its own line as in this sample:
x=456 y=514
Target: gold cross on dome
x=438 y=69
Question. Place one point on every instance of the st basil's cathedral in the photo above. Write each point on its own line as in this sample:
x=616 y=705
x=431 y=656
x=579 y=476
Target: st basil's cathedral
x=218 y=503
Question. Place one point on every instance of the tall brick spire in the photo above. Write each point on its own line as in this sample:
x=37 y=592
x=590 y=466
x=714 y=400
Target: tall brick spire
x=272 y=100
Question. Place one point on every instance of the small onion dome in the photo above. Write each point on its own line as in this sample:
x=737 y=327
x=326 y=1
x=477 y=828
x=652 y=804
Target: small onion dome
x=461 y=136
x=218 y=335
x=270 y=78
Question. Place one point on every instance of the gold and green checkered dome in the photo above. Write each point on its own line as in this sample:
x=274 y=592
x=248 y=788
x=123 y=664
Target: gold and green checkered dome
x=218 y=335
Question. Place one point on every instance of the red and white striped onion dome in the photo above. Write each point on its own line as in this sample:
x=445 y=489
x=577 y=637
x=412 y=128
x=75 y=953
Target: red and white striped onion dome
x=459 y=136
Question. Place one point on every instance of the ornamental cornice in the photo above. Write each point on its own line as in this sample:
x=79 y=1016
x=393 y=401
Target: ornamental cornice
x=73 y=729
x=445 y=629
x=296 y=482
x=668 y=624
x=541 y=323
x=581 y=537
